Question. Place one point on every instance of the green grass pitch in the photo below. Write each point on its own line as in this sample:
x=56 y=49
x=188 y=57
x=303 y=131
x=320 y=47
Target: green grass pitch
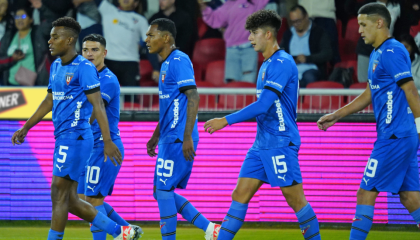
x=184 y=233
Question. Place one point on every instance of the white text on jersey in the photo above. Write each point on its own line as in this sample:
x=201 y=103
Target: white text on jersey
x=77 y=114
x=389 y=108
x=279 y=112
x=176 y=113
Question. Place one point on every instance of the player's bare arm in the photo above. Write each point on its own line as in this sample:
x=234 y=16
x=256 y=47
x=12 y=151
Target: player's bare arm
x=110 y=149
x=358 y=104
x=153 y=142
x=192 y=109
x=44 y=108
x=413 y=99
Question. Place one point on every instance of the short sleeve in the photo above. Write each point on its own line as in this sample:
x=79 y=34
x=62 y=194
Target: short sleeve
x=49 y=89
x=183 y=73
x=397 y=64
x=109 y=88
x=88 y=77
x=277 y=75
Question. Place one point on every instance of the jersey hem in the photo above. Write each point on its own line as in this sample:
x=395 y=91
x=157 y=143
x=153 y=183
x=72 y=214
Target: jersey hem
x=93 y=90
x=404 y=80
x=273 y=90
x=185 y=88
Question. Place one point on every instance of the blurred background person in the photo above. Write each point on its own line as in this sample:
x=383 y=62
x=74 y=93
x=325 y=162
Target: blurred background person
x=6 y=19
x=24 y=47
x=309 y=45
x=89 y=19
x=241 y=59
x=414 y=52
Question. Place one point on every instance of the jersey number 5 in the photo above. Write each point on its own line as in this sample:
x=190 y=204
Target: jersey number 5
x=167 y=165
x=60 y=152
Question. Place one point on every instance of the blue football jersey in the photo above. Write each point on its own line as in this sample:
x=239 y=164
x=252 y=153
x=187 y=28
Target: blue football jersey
x=176 y=76
x=69 y=83
x=277 y=127
x=389 y=67
x=110 y=91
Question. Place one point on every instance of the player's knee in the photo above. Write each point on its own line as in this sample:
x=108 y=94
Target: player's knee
x=242 y=195
x=296 y=202
x=59 y=194
x=161 y=194
x=405 y=199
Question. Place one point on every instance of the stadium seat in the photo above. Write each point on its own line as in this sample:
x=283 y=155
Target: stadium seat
x=206 y=101
x=347 y=49
x=209 y=50
x=323 y=103
x=146 y=69
x=283 y=29
x=202 y=27
x=414 y=30
x=236 y=101
x=352 y=30
x=339 y=28
x=198 y=72
x=215 y=73
x=349 y=64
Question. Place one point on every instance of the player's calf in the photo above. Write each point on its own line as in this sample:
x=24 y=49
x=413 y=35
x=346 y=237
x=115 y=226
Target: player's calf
x=411 y=201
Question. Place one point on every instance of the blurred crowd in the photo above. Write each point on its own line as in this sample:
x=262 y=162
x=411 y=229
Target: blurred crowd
x=321 y=35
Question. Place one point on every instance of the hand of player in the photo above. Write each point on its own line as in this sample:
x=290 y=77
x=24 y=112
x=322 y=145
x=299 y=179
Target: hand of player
x=155 y=76
x=215 y=124
x=327 y=121
x=151 y=146
x=188 y=149
x=111 y=150
x=19 y=136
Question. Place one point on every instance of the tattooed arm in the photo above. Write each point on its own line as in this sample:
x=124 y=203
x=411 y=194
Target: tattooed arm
x=192 y=109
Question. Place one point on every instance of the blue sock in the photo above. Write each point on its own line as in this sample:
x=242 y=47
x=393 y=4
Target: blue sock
x=308 y=223
x=190 y=213
x=102 y=222
x=111 y=213
x=168 y=214
x=54 y=235
x=233 y=221
x=416 y=216
x=362 y=222
x=97 y=233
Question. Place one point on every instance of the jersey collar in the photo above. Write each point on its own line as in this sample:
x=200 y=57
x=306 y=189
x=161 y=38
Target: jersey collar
x=376 y=49
x=173 y=50
x=67 y=63
x=274 y=53
x=104 y=67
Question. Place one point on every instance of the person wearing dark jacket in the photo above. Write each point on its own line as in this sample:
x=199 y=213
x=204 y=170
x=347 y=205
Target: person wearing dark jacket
x=25 y=47
x=309 y=45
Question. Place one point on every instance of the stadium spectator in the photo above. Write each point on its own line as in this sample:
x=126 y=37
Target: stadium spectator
x=414 y=52
x=309 y=45
x=322 y=13
x=402 y=17
x=241 y=59
x=88 y=17
x=124 y=31
x=6 y=19
x=23 y=51
x=186 y=30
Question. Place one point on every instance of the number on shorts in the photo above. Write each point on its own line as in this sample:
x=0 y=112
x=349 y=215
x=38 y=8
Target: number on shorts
x=279 y=166
x=371 y=165
x=62 y=160
x=92 y=174
x=167 y=165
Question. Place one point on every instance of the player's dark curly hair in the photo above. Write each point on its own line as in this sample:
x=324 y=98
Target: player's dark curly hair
x=165 y=24
x=68 y=23
x=263 y=18
x=95 y=38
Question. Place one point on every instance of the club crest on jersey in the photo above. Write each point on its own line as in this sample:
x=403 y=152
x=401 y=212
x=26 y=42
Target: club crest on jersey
x=263 y=76
x=163 y=76
x=69 y=76
x=375 y=63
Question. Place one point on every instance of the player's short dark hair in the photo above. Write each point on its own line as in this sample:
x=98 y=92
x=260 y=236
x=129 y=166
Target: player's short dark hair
x=164 y=24
x=95 y=38
x=29 y=11
x=301 y=8
x=376 y=9
x=263 y=18
x=69 y=23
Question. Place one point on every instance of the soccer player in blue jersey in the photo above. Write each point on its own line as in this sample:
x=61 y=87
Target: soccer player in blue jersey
x=393 y=165
x=97 y=180
x=73 y=94
x=176 y=134
x=273 y=158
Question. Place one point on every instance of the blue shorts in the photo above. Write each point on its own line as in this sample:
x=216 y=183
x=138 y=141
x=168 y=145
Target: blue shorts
x=279 y=167
x=101 y=175
x=70 y=154
x=393 y=166
x=172 y=170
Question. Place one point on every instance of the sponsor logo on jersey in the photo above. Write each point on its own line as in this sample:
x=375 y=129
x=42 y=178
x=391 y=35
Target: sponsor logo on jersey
x=69 y=77
x=11 y=99
x=93 y=86
x=77 y=114
x=373 y=87
x=163 y=96
x=402 y=74
x=280 y=116
x=59 y=96
x=389 y=106
x=176 y=113
x=275 y=84
x=185 y=81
